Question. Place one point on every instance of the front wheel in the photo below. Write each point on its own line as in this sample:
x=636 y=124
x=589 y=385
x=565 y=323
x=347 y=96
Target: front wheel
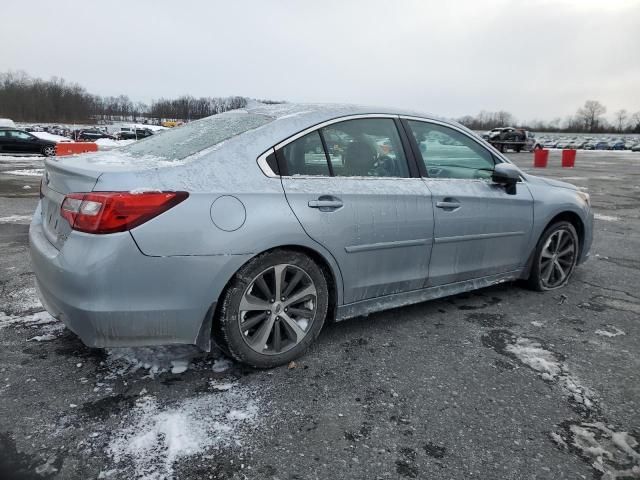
x=49 y=151
x=555 y=257
x=273 y=309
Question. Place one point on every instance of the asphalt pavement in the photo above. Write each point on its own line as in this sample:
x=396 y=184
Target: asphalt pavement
x=502 y=383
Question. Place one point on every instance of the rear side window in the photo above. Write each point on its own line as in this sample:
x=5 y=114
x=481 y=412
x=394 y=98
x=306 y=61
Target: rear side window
x=368 y=147
x=447 y=153
x=305 y=156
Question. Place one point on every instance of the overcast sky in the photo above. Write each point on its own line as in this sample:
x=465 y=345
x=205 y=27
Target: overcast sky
x=537 y=59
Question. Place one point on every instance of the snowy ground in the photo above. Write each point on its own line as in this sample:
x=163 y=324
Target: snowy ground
x=503 y=383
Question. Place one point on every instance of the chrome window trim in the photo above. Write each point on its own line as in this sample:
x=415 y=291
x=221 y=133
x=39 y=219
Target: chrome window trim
x=493 y=152
x=264 y=166
x=459 y=130
x=318 y=126
x=326 y=123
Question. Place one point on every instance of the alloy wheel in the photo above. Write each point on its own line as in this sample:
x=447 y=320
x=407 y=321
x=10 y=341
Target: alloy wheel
x=277 y=309
x=49 y=151
x=557 y=258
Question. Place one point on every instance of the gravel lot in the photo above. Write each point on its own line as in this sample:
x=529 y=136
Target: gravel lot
x=503 y=383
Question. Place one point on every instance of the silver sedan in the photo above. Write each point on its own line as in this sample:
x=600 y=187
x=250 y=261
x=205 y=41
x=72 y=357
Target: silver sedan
x=253 y=228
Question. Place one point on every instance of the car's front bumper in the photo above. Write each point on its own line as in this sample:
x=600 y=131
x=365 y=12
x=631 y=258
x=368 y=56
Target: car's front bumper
x=111 y=295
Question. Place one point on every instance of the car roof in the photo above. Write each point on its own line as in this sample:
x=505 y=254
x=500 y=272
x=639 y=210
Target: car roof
x=273 y=124
x=291 y=118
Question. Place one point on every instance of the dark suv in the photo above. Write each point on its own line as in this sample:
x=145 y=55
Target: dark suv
x=136 y=134
x=91 y=135
x=13 y=140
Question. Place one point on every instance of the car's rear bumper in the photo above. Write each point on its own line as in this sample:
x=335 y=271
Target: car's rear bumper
x=111 y=295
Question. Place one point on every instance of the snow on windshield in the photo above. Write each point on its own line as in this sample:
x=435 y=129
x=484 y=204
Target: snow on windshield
x=181 y=142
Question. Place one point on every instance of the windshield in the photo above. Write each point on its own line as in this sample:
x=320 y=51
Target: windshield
x=181 y=142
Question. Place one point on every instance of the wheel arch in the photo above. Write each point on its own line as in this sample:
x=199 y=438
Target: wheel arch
x=324 y=261
x=566 y=215
x=574 y=219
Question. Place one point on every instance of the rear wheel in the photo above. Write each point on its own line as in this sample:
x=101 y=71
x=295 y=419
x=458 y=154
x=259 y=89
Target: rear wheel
x=273 y=309
x=555 y=257
x=49 y=151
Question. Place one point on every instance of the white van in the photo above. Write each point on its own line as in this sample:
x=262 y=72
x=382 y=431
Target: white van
x=7 y=123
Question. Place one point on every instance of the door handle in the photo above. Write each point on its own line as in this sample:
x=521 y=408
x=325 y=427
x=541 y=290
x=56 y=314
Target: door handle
x=325 y=203
x=448 y=204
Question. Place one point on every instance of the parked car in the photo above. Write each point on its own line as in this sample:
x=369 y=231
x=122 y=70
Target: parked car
x=577 y=144
x=13 y=140
x=137 y=134
x=617 y=145
x=601 y=145
x=636 y=148
x=7 y=123
x=248 y=229
x=551 y=143
x=510 y=138
x=564 y=143
x=91 y=135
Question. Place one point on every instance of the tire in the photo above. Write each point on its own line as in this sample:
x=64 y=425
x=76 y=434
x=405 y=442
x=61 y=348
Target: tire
x=265 y=332
x=518 y=148
x=547 y=264
x=49 y=151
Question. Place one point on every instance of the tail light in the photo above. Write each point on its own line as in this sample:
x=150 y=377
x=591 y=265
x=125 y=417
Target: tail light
x=110 y=212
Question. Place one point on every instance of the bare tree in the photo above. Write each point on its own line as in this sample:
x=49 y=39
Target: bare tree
x=591 y=114
x=634 y=123
x=620 y=118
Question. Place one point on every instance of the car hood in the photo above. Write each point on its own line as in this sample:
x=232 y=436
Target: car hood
x=550 y=182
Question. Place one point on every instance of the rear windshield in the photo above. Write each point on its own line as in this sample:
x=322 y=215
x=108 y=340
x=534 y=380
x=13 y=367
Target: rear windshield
x=181 y=142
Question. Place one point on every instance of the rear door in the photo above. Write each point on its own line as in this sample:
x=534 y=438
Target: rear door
x=23 y=142
x=480 y=229
x=351 y=187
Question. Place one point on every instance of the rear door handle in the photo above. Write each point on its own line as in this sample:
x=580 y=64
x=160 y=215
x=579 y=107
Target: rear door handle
x=448 y=204
x=326 y=204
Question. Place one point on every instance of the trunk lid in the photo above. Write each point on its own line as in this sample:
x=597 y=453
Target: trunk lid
x=58 y=180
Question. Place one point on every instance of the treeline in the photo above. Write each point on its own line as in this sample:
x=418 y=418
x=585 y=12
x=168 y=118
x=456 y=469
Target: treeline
x=588 y=119
x=27 y=99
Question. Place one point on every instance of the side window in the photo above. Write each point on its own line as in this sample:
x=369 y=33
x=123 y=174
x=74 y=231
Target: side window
x=365 y=148
x=305 y=156
x=20 y=135
x=448 y=153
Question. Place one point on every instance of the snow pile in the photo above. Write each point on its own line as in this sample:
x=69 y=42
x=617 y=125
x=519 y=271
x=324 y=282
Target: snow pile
x=16 y=219
x=107 y=143
x=606 y=218
x=608 y=333
x=551 y=368
x=29 y=172
x=48 y=327
x=160 y=359
x=153 y=437
x=614 y=454
x=51 y=137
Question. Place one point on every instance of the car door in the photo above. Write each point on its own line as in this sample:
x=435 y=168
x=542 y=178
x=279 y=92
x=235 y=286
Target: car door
x=349 y=184
x=22 y=142
x=480 y=229
x=4 y=141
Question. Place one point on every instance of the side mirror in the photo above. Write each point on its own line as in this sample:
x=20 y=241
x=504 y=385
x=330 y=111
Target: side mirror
x=507 y=175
